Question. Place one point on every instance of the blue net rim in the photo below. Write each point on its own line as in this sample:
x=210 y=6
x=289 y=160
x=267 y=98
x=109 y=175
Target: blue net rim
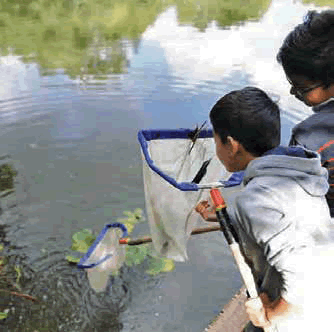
x=98 y=239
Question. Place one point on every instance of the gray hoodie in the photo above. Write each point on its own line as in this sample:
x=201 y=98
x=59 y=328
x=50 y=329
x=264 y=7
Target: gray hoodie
x=281 y=214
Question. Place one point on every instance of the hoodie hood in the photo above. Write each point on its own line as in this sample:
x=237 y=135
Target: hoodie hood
x=297 y=163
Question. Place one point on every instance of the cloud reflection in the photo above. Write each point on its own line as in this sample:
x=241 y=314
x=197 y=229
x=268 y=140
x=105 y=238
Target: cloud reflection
x=251 y=48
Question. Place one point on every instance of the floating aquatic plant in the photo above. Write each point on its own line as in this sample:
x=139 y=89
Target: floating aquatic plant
x=81 y=241
x=158 y=265
x=3 y=315
x=132 y=219
x=135 y=255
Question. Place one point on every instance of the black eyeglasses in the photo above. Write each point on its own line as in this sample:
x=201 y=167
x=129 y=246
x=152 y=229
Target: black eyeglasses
x=301 y=92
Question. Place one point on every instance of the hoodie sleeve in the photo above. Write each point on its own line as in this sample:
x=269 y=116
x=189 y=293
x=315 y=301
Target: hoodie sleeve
x=262 y=216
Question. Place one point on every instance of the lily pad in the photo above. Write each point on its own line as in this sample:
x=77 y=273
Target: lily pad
x=3 y=315
x=129 y=226
x=136 y=254
x=72 y=259
x=82 y=240
x=169 y=265
x=158 y=265
x=132 y=217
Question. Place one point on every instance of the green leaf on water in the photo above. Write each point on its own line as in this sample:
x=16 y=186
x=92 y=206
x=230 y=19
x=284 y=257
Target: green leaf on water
x=3 y=315
x=82 y=240
x=138 y=213
x=158 y=265
x=136 y=254
x=72 y=259
x=128 y=214
x=1 y=247
x=169 y=265
x=132 y=217
x=129 y=226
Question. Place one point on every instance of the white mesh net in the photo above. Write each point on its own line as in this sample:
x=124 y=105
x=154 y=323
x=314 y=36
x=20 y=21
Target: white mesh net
x=106 y=258
x=170 y=211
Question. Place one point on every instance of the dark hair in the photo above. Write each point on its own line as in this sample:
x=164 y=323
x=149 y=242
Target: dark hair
x=308 y=50
x=250 y=117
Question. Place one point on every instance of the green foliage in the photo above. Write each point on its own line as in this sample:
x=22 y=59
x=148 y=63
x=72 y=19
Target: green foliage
x=132 y=219
x=82 y=240
x=72 y=259
x=3 y=315
x=158 y=265
x=136 y=254
x=7 y=177
x=18 y=274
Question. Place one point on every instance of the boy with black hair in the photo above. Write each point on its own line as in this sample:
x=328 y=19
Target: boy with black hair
x=307 y=57
x=280 y=214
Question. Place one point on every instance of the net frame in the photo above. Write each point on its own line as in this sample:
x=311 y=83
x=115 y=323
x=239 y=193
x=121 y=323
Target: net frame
x=96 y=243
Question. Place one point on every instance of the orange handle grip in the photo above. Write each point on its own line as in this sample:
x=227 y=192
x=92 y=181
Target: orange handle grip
x=217 y=198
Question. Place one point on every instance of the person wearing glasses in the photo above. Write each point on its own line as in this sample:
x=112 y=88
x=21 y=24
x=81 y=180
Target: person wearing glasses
x=307 y=57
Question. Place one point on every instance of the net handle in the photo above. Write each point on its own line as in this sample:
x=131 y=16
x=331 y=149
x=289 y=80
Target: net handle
x=147 y=239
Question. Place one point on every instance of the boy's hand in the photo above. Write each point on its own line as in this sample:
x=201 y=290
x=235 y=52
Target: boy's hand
x=255 y=309
x=206 y=211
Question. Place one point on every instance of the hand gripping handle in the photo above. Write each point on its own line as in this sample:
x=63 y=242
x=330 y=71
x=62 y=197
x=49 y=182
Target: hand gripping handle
x=217 y=198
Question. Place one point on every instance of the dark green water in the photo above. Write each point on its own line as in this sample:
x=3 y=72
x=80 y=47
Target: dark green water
x=78 y=80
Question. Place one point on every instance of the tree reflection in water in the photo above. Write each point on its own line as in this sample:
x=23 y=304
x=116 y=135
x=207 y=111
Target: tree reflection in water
x=88 y=38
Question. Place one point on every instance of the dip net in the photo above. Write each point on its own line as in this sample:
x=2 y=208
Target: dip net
x=177 y=166
x=105 y=256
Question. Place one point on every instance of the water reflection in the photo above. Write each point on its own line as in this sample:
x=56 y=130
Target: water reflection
x=76 y=88
x=87 y=37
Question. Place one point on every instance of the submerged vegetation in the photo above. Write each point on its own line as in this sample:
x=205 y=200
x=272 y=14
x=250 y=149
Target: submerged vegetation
x=10 y=276
x=88 y=37
x=7 y=176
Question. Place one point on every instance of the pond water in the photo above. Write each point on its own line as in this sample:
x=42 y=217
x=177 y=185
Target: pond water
x=70 y=112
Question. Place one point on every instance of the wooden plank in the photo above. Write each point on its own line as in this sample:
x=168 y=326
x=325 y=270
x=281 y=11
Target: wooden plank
x=233 y=317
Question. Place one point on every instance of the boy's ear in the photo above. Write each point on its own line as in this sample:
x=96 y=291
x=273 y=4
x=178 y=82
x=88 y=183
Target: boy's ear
x=233 y=146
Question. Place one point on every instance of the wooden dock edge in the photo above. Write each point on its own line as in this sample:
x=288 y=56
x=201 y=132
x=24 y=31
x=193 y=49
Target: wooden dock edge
x=233 y=317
